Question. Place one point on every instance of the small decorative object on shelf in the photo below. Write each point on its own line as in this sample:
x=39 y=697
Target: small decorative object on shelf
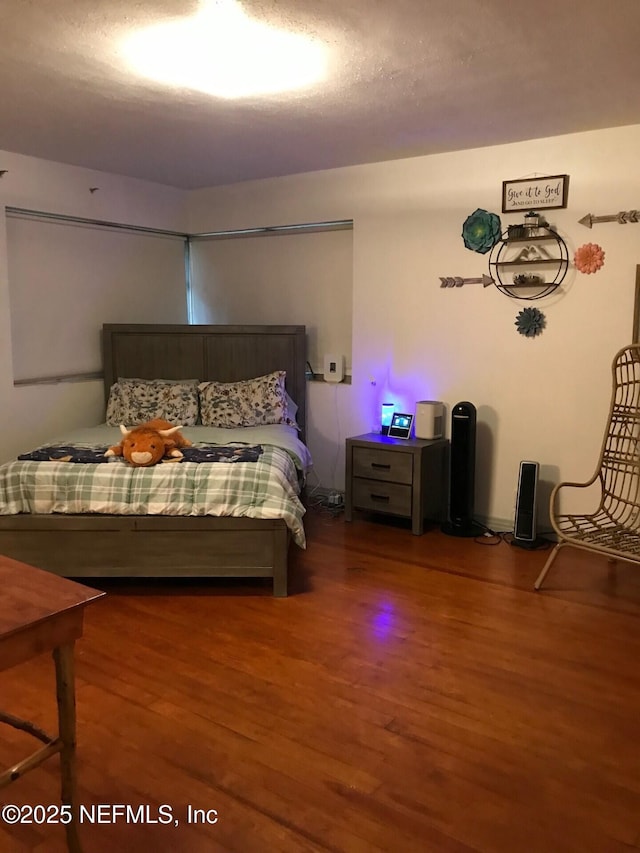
x=531 y=254
x=589 y=258
x=481 y=231
x=530 y=322
x=527 y=279
x=533 y=222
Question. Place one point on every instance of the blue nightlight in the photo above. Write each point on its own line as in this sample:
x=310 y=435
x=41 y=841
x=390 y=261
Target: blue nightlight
x=385 y=417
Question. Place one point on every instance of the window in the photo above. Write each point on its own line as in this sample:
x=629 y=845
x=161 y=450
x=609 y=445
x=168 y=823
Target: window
x=68 y=278
x=298 y=276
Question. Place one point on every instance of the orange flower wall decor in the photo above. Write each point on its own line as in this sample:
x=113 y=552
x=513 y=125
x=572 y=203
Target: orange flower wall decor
x=589 y=258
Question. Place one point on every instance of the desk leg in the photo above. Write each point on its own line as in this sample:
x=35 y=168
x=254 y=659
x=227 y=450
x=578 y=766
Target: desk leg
x=65 y=692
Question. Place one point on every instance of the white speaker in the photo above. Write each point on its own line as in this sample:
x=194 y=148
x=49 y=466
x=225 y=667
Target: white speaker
x=429 y=419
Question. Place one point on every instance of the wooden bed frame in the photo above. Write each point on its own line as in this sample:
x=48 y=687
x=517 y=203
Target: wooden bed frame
x=170 y=546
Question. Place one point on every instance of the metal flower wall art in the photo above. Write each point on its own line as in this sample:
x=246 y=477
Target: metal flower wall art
x=589 y=258
x=530 y=322
x=481 y=231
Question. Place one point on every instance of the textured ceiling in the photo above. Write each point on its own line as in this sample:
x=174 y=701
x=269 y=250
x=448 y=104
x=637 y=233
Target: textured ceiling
x=406 y=77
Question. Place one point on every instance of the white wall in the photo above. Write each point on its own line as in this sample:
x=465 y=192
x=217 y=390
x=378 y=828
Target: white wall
x=543 y=399
x=29 y=415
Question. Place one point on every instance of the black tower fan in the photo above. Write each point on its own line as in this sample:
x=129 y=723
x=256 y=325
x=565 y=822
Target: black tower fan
x=462 y=473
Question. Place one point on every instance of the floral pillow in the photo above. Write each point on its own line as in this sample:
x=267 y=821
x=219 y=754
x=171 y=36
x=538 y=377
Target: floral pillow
x=133 y=401
x=252 y=402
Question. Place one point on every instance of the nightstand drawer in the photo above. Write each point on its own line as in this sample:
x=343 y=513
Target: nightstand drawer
x=382 y=497
x=385 y=465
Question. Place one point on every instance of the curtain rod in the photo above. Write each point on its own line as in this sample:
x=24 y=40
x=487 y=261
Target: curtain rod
x=62 y=377
x=103 y=223
x=335 y=225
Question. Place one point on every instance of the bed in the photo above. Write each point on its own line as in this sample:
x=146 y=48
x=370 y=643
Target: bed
x=99 y=544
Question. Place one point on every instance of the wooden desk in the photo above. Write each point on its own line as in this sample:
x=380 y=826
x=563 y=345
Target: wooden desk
x=42 y=612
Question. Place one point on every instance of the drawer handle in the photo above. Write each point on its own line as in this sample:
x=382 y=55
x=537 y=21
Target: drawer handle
x=381 y=465
x=382 y=498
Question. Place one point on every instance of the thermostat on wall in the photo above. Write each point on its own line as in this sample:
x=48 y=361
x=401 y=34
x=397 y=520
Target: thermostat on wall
x=333 y=368
x=400 y=425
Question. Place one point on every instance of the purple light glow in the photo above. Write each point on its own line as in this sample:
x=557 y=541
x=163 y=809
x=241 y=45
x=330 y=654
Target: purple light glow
x=385 y=386
x=383 y=620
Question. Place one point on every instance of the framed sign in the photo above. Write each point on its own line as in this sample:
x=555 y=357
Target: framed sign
x=535 y=193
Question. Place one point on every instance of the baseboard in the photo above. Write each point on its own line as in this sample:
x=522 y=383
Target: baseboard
x=499 y=525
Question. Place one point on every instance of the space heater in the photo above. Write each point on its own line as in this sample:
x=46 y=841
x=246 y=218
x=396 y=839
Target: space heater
x=462 y=472
x=524 y=527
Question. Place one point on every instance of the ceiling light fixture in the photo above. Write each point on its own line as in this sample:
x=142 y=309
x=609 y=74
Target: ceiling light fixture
x=223 y=52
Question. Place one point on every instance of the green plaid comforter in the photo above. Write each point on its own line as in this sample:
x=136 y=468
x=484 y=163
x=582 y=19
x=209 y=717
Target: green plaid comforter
x=267 y=488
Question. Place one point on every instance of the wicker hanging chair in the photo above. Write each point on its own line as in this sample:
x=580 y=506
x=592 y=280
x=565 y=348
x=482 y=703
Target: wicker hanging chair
x=613 y=528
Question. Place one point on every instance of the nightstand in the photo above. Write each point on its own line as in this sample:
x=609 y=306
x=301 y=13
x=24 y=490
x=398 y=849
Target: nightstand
x=396 y=476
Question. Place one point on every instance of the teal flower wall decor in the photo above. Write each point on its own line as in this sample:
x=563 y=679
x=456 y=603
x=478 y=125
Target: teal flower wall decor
x=481 y=231
x=530 y=322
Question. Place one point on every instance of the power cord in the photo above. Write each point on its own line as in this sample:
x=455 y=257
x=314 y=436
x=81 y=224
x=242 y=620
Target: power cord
x=489 y=537
x=493 y=537
x=332 y=503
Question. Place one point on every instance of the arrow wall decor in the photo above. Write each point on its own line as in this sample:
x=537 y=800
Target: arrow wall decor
x=458 y=281
x=621 y=218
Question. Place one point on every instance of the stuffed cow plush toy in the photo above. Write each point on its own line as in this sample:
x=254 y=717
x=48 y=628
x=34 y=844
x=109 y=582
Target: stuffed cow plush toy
x=149 y=443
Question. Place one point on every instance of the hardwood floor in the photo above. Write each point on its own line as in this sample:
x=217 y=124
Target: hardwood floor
x=412 y=694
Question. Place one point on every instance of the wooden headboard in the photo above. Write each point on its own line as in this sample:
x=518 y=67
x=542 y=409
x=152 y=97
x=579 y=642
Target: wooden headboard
x=222 y=353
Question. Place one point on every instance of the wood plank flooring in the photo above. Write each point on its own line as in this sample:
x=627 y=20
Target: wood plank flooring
x=412 y=694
